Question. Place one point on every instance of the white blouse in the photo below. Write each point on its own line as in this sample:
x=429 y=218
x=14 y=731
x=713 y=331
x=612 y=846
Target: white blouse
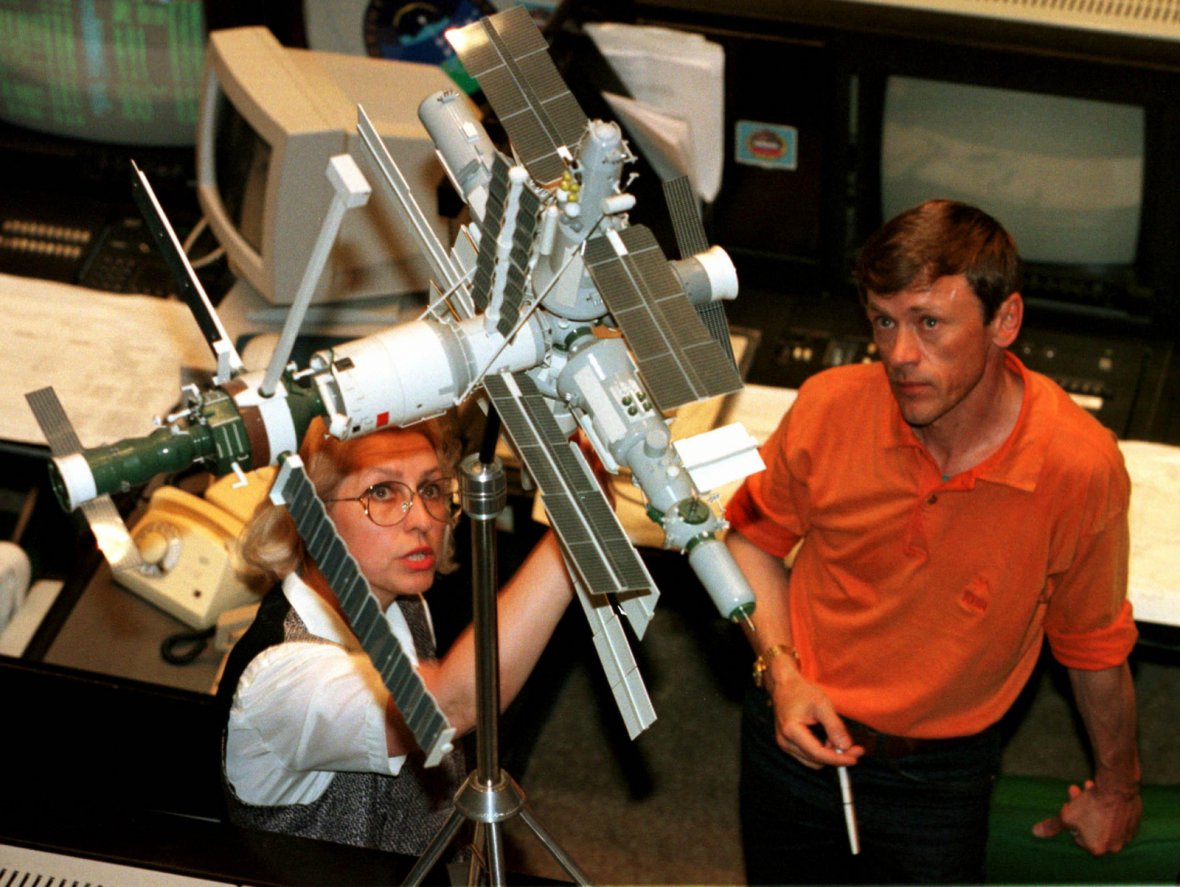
x=304 y=710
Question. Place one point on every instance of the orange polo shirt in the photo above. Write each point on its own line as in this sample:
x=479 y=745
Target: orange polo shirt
x=919 y=604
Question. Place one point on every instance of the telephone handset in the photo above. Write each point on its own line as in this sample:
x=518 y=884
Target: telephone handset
x=185 y=542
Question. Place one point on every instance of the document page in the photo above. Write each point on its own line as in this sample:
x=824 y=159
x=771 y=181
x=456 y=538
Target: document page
x=114 y=360
x=1154 y=583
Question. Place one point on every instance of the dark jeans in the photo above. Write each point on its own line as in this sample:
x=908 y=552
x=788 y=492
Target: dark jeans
x=922 y=817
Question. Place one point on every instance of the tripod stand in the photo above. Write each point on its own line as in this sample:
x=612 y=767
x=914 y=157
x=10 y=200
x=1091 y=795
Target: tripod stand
x=489 y=796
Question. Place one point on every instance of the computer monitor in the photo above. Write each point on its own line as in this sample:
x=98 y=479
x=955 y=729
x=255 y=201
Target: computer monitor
x=271 y=117
x=104 y=70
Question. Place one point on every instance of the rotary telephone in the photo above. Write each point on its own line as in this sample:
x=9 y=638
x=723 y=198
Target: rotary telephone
x=185 y=542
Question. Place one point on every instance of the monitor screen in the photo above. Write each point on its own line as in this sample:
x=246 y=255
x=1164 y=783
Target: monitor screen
x=1064 y=175
x=109 y=71
x=271 y=118
x=242 y=159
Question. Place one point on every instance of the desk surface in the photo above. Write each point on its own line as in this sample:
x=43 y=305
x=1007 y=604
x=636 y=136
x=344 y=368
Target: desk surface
x=1154 y=583
x=112 y=631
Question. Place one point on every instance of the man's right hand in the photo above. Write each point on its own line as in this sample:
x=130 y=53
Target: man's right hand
x=799 y=707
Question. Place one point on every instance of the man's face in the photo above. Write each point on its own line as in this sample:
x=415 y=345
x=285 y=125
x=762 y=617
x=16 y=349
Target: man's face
x=935 y=346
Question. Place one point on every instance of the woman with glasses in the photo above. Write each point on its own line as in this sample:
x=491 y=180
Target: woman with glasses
x=314 y=745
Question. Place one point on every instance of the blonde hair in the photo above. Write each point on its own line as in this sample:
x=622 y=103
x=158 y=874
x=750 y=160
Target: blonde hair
x=270 y=549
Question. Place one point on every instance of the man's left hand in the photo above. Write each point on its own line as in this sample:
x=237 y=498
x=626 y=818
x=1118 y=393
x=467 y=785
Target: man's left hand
x=1100 y=822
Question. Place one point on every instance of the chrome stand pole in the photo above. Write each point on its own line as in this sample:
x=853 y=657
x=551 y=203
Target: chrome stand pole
x=489 y=797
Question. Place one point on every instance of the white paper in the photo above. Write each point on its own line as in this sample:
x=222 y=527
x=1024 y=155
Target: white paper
x=1154 y=584
x=720 y=456
x=664 y=139
x=679 y=74
x=114 y=360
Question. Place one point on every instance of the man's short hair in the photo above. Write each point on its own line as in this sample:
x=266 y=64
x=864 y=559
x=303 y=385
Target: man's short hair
x=941 y=238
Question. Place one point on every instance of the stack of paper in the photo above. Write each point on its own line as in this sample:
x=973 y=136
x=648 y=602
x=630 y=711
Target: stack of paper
x=676 y=115
x=115 y=360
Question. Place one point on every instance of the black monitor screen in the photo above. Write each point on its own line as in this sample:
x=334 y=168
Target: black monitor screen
x=242 y=159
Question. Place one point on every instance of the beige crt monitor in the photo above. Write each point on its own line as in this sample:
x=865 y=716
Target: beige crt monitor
x=271 y=117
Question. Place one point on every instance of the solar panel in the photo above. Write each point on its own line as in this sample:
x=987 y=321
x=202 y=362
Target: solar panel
x=110 y=533
x=509 y=58
x=685 y=211
x=418 y=708
x=590 y=532
x=678 y=359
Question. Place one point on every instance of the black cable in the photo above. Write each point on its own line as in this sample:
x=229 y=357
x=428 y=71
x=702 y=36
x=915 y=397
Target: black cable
x=184 y=647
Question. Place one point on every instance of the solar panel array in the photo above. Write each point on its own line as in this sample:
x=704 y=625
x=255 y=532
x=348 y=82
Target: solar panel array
x=678 y=359
x=510 y=59
x=417 y=707
x=590 y=532
x=523 y=227
x=685 y=211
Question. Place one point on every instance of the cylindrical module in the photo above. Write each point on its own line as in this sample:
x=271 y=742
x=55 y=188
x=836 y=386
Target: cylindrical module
x=230 y=427
x=724 y=581
x=400 y=375
x=708 y=276
x=601 y=381
x=462 y=144
x=80 y=477
x=413 y=371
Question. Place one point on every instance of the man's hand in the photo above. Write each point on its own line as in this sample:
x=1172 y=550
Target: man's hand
x=799 y=706
x=1100 y=822
x=1103 y=814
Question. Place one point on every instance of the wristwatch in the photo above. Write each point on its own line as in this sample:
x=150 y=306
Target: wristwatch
x=763 y=661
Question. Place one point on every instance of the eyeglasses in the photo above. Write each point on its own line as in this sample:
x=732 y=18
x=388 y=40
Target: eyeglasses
x=388 y=502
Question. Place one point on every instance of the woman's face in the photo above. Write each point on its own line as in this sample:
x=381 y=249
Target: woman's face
x=402 y=559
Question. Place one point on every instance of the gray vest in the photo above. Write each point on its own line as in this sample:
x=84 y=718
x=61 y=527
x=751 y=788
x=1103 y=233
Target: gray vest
x=397 y=813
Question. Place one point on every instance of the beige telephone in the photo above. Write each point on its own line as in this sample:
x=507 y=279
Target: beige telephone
x=184 y=541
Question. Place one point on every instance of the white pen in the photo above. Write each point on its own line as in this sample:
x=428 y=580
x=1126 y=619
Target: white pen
x=849 y=809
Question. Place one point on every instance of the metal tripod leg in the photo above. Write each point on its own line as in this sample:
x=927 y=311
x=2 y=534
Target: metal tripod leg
x=489 y=796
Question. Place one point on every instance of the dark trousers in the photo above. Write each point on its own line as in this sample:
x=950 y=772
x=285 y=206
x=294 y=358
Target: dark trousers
x=922 y=817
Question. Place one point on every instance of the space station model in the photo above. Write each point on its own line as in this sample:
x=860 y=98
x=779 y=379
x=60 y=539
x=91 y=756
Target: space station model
x=550 y=307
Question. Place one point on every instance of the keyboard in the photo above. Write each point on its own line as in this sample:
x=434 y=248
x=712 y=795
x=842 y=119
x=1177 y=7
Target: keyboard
x=20 y=866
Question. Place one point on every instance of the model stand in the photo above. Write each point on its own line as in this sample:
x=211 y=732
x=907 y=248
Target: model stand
x=489 y=797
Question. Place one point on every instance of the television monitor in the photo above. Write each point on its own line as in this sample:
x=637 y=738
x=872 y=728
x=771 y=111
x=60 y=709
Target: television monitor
x=1076 y=160
x=106 y=71
x=270 y=119
x=1063 y=174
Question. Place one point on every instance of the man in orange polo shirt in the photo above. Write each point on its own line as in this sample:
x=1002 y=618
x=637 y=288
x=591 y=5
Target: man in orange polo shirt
x=954 y=509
